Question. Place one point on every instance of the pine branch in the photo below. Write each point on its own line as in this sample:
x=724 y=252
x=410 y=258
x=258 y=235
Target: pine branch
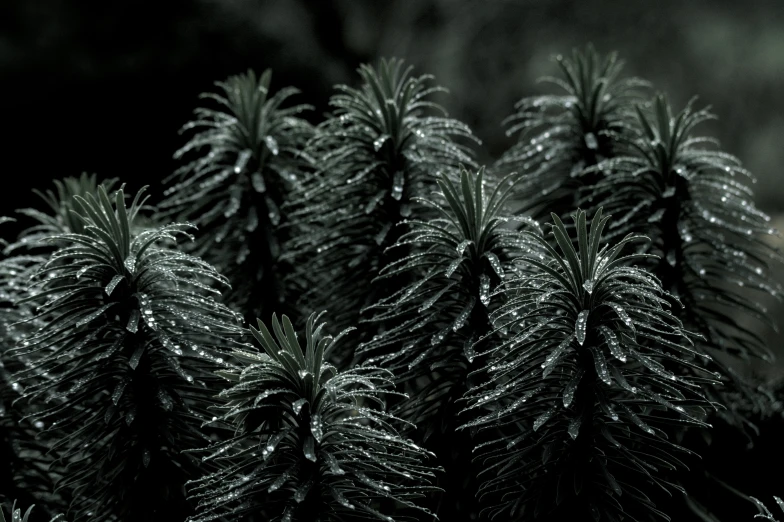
x=561 y=135
x=432 y=328
x=698 y=205
x=384 y=144
x=328 y=449
x=124 y=354
x=579 y=391
x=244 y=159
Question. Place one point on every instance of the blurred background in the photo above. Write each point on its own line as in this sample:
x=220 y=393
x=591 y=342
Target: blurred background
x=104 y=86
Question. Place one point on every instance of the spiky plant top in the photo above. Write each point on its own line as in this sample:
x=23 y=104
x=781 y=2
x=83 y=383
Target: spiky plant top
x=311 y=443
x=243 y=160
x=696 y=204
x=562 y=134
x=432 y=324
x=579 y=391
x=128 y=324
x=58 y=217
x=432 y=327
x=384 y=144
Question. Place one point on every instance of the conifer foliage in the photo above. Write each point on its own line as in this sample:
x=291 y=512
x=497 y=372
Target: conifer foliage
x=433 y=324
x=696 y=204
x=561 y=135
x=508 y=366
x=311 y=442
x=384 y=144
x=117 y=355
x=59 y=216
x=242 y=162
x=581 y=385
x=29 y=472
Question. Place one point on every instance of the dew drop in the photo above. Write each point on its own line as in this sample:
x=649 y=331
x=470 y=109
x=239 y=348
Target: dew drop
x=495 y=263
x=397 y=185
x=464 y=314
x=316 y=427
x=272 y=144
x=484 y=289
x=242 y=161
x=588 y=285
x=297 y=405
x=379 y=142
x=544 y=417
x=581 y=325
x=453 y=266
x=462 y=246
x=590 y=141
x=113 y=284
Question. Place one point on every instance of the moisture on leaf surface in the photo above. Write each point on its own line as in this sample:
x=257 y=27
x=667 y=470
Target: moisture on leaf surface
x=309 y=439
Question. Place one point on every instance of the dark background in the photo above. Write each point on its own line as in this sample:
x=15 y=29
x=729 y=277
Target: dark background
x=104 y=86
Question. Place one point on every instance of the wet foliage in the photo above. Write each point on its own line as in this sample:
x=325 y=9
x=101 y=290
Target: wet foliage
x=27 y=473
x=116 y=362
x=16 y=514
x=434 y=324
x=560 y=336
x=562 y=135
x=242 y=162
x=433 y=327
x=695 y=202
x=764 y=512
x=309 y=439
x=31 y=471
x=384 y=144
x=581 y=383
